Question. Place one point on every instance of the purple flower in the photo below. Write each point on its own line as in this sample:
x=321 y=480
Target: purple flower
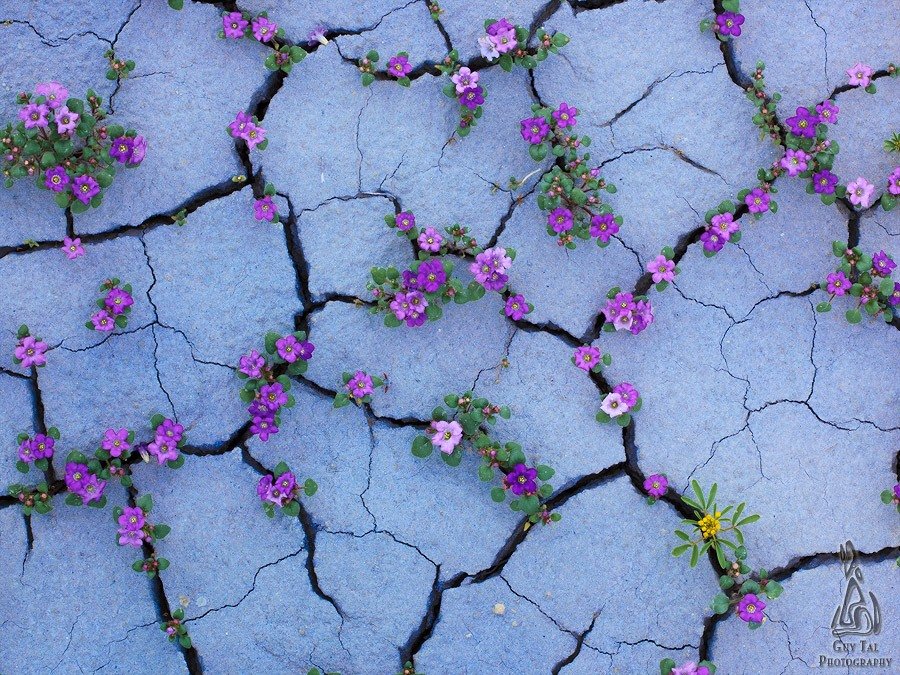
x=827 y=112
x=238 y=127
x=488 y=48
x=613 y=406
x=729 y=23
x=170 y=430
x=31 y=352
x=794 y=161
x=34 y=115
x=318 y=34
x=860 y=75
x=131 y=538
x=725 y=225
x=121 y=149
x=656 y=485
x=415 y=318
x=838 y=284
x=42 y=446
x=163 y=449
x=712 y=241
x=66 y=120
x=560 y=219
x=254 y=135
x=410 y=280
x=56 y=179
x=501 y=26
x=252 y=364
x=689 y=668
x=565 y=116
x=234 y=24
x=860 y=192
x=750 y=608
x=535 y=129
x=446 y=436
x=643 y=317
x=430 y=240
x=305 y=350
x=894 y=299
x=401 y=306
x=84 y=188
x=624 y=303
x=897 y=491
x=464 y=78
x=586 y=357
x=516 y=307
x=431 y=275
x=138 y=150
x=263 y=426
x=503 y=34
x=55 y=93
x=264 y=487
x=103 y=321
x=115 y=442
x=263 y=29
x=405 y=221
x=118 y=300
x=273 y=395
x=72 y=248
x=360 y=385
x=286 y=483
x=803 y=124
x=76 y=475
x=521 y=480
x=287 y=348
x=757 y=201
x=132 y=519
x=824 y=182
x=662 y=269
x=399 y=66
x=92 y=489
x=882 y=265
x=894 y=182
x=472 y=97
x=265 y=209
x=26 y=453
x=604 y=226
x=628 y=393
x=489 y=268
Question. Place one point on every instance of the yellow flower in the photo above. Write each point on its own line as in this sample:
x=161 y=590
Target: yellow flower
x=709 y=525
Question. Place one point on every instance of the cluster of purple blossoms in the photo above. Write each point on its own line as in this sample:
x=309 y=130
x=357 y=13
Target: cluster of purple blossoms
x=115 y=307
x=865 y=278
x=656 y=486
x=466 y=89
x=689 y=668
x=246 y=128
x=128 y=150
x=277 y=490
x=750 y=608
x=624 y=398
x=81 y=482
x=358 y=388
x=237 y=25
x=624 y=311
x=721 y=229
x=168 y=437
x=888 y=201
x=410 y=307
x=446 y=435
x=131 y=527
x=30 y=350
x=500 y=38
x=38 y=449
x=521 y=481
x=490 y=267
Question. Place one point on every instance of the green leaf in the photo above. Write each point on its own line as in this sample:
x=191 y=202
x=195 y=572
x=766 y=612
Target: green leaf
x=666 y=666
x=485 y=473
x=726 y=582
x=498 y=494
x=823 y=307
x=281 y=468
x=538 y=152
x=545 y=472
x=452 y=459
x=391 y=321
x=748 y=520
x=156 y=420
x=506 y=62
x=176 y=4
x=145 y=502
x=422 y=446
x=695 y=556
x=138 y=565
x=160 y=531
x=23 y=467
x=185 y=641
x=679 y=550
x=886 y=287
x=699 y=492
x=529 y=505
x=270 y=340
x=623 y=420
x=773 y=589
x=853 y=316
x=310 y=487
x=720 y=603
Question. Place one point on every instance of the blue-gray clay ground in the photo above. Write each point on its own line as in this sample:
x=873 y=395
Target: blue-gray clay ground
x=743 y=383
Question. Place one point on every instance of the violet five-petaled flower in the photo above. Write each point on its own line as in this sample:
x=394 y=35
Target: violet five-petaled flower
x=534 y=129
x=587 y=357
x=757 y=200
x=827 y=112
x=115 y=442
x=472 y=97
x=56 y=179
x=521 y=480
x=656 y=485
x=516 y=307
x=560 y=219
x=360 y=385
x=565 y=116
x=464 y=78
x=860 y=192
x=824 y=182
x=803 y=124
x=729 y=23
x=794 y=161
x=604 y=226
x=750 y=608
x=252 y=364
x=860 y=75
x=265 y=209
x=430 y=240
x=661 y=269
x=264 y=29
x=54 y=93
x=490 y=268
x=838 y=283
x=431 y=275
x=103 y=321
x=447 y=435
x=273 y=395
x=405 y=221
x=31 y=352
x=117 y=301
x=882 y=264
x=234 y=25
x=399 y=66
x=85 y=188
x=72 y=248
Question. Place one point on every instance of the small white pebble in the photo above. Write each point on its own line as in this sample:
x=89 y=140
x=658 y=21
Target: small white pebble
x=499 y=609
x=468 y=635
x=515 y=623
x=201 y=601
x=184 y=600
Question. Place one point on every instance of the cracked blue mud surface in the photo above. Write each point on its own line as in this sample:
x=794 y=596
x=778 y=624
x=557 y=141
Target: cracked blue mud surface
x=397 y=558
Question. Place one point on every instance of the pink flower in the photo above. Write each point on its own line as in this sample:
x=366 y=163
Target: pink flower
x=661 y=268
x=72 y=248
x=464 y=79
x=860 y=192
x=860 y=75
x=447 y=435
x=103 y=321
x=31 y=352
x=613 y=405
